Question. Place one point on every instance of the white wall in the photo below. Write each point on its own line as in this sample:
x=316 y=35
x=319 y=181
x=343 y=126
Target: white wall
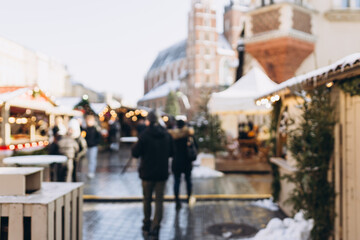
x=20 y=66
x=335 y=39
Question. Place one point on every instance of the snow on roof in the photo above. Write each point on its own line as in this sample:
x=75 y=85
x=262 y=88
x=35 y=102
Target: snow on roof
x=98 y=107
x=171 y=54
x=69 y=102
x=223 y=42
x=161 y=91
x=224 y=47
x=250 y=85
x=7 y=93
x=339 y=65
x=240 y=96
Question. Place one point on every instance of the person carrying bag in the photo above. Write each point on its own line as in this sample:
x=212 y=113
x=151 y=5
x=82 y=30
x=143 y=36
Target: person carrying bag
x=185 y=154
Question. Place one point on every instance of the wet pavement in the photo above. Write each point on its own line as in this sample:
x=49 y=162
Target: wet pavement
x=110 y=181
x=123 y=220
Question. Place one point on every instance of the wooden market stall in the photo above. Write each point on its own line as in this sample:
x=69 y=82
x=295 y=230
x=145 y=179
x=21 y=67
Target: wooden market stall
x=345 y=169
x=27 y=114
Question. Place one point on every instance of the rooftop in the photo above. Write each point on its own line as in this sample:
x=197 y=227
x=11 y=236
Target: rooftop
x=171 y=54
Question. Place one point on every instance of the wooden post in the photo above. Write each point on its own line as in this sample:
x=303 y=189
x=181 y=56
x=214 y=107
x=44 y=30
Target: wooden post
x=16 y=222
x=5 y=125
x=80 y=212
x=39 y=217
x=51 y=120
x=32 y=132
x=58 y=224
x=67 y=227
x=74 y=209
x=50 y=224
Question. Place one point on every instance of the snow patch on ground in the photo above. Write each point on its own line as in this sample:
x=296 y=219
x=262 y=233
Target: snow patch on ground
x=205 y=172
x=200 y=156
x=267 y=204
x=297 y=228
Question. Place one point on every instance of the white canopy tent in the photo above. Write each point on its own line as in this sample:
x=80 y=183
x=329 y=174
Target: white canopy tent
x=236 y=103
x=239 y=97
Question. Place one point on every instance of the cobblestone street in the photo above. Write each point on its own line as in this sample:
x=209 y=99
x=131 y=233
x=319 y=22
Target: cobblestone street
x=124 y=220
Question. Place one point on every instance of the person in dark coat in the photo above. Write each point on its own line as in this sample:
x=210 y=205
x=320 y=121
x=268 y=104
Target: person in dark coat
x=154 y=148
x=92 y=138
x=181 y=163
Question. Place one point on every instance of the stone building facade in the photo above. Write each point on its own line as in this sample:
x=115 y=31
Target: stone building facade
x=285 y=38
x=205 y=60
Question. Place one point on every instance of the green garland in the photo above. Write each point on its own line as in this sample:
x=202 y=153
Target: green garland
x=351 y=86
x=275 y=115
x=311 y=144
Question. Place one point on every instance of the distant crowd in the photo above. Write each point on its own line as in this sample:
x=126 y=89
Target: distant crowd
x=76 y=141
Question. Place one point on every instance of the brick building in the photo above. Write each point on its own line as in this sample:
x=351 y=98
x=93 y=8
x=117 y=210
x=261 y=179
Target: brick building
x=285 y=38
x=205 y=60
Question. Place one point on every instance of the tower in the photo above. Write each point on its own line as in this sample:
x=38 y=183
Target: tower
x=234 y=21
x=201 y=48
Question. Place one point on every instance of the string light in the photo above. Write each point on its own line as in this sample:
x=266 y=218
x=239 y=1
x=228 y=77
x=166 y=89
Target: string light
x=144 y=113
x=11 y=120
x=329 y=84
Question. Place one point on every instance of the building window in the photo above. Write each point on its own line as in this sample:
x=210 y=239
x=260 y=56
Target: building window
x=207 y=52
x=207 y=38
x=201 y=35
x=207 y=22
x=357 y=3
x=345 y=3
x=207 y=66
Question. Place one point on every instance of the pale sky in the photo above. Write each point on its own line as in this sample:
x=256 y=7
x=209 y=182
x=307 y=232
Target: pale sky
x=108 y=45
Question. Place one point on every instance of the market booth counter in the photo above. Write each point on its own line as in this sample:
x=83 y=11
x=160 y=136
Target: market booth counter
x=53 y=211
x=27 y=114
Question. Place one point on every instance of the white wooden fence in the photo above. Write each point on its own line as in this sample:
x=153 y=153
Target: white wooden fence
x=52 y=213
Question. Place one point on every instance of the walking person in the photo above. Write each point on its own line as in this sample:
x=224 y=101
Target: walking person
x=68 y=147
x=74 y=126
x=92 y=139
x=154 y=148
x=181 y=163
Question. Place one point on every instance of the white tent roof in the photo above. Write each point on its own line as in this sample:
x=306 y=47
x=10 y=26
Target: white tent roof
x=240 y=96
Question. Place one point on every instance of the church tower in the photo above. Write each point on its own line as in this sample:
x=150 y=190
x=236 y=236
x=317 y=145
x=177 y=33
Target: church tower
x=202 y=44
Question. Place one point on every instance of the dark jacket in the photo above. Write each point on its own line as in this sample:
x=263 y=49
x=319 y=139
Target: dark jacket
x=92 y=136
x=181 y=162
x=154 y=149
